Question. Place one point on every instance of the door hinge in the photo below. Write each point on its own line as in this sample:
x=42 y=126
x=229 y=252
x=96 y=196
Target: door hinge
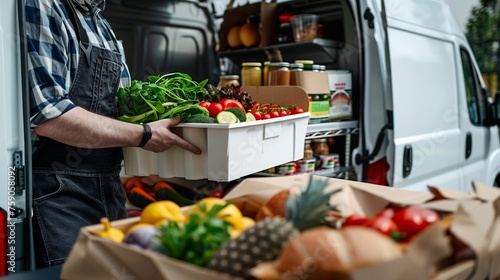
x=20 y=176
x=368 y=15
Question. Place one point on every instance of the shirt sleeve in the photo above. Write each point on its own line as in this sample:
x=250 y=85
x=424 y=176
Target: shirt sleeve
x=51 y=49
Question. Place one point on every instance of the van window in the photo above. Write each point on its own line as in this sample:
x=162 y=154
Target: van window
x=476 y=101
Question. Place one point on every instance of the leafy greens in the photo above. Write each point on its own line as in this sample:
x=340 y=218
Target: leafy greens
x=166 y=96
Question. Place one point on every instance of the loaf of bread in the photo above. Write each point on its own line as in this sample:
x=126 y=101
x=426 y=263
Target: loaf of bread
x=329 y=250
x=276 y=205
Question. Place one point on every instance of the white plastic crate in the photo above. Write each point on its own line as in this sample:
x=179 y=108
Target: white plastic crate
x=229 y=151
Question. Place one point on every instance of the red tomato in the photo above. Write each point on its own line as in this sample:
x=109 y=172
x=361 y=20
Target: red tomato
x=214 y=109
x=413 y=219
x=274 y=114
x=283 y=113
x=231 y=103
x=257 y=115
x=356 y=220
x=255 y=107
x=387 y=212
x=205 y=104
x=384 y=225
x=266 y=116
x=298 y=110
x=217 y=192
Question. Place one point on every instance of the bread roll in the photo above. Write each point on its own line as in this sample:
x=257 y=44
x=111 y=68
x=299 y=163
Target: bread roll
x=276 y=205
x=322 y=251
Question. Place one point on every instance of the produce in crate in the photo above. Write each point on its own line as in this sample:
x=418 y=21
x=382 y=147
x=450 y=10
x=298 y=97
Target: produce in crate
x=305 y=208
x=169 y=95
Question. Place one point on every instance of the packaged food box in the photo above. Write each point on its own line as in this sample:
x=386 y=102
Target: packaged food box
x=230 y=151
x=476 y=222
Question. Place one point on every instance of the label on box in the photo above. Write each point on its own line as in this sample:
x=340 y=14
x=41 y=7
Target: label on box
x=319 y=107
x=340 y=106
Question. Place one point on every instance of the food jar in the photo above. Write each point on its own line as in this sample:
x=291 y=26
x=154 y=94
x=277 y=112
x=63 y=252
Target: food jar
x=279 y=74
x=307 y=63
x=227 y=80
x=308 y=151
x=251 y=74
x=295 y=67
x=265 y=73
x=320 y=147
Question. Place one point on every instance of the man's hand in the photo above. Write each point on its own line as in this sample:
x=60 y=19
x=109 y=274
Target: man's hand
x=163 y=139
x=81 y=128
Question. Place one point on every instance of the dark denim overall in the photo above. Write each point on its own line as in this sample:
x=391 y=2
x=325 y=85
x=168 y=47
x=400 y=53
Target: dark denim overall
x=75 y=187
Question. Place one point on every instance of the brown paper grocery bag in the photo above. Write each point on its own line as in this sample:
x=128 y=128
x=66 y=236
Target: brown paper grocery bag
x=94 y=257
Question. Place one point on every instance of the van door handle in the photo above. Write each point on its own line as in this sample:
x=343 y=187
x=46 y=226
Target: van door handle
x=407 y=160
x=468 y=145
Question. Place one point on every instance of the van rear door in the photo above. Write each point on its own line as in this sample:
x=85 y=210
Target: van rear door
x=15 y=144
x=424 y=145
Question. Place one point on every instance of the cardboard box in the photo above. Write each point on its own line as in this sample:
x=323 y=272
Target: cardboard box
x=317 y=86
x=475 y=221
x=230 y=151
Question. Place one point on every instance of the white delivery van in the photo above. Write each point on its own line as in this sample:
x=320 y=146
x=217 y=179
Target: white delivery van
x=420 y=117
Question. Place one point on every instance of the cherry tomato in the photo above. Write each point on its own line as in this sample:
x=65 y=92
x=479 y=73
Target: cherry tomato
x=214 y=109
x=356 y=220
x=257 y=115
x=205 y=104
x=231 y=103
x=298 y=110
x=413 y=219
x=274 y=114
x=266 y=116
x=283 y=113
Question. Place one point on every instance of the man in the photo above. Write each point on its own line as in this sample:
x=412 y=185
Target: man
x=76 y=66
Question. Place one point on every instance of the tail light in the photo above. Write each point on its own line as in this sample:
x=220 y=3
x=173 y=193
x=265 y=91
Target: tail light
x=3 y=242
x=377 y=172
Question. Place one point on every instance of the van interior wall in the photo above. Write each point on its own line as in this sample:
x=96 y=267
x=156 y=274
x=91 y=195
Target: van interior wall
x=162 y=36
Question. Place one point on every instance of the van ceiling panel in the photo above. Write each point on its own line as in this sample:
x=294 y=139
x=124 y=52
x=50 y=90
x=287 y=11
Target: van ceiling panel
x=165 y=36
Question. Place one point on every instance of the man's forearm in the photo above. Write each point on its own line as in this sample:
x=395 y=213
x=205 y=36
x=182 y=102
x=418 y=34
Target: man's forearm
x=81 y=128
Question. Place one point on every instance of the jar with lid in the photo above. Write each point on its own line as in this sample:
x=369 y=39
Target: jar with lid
x=320 y=147
x=322 y=68
x=265 y=73
x=295 y=67
x=251 y=74
x=315 y=67
x=307 y=64
x=227 y=80
x=308 y=151
x=279 y=74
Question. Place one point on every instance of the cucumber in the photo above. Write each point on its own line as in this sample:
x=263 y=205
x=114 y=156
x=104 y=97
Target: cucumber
x=226 y=117
x=250 y=117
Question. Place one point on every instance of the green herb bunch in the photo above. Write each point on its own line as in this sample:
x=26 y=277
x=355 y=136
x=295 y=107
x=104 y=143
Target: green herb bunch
x=197 y=240
x=166 y=96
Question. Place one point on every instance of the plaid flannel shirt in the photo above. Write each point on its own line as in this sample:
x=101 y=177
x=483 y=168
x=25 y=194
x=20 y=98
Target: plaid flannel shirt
x=53 y=52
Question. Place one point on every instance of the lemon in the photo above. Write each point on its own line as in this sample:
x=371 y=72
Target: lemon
x=161 y=210
x=230 y=213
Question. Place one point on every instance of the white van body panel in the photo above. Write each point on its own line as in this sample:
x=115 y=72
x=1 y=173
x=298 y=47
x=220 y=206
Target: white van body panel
x=424 y=91
x=11 y=122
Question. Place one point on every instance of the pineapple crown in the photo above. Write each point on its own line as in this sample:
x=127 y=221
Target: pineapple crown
x=309 y=208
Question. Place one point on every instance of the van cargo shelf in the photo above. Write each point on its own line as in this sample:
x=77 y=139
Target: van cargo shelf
x=331 y=129
x=319 y=50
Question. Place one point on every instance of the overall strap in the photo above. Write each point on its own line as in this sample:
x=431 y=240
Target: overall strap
x=83 y=37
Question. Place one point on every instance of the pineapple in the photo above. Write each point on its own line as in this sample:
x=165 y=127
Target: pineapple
x=265 y=240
